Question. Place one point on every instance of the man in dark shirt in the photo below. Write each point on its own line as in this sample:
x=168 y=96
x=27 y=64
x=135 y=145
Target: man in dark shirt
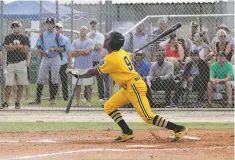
x=17 y=47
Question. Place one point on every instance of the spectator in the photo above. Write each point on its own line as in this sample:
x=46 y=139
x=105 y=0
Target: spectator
x=50 y=47
x=232 y=60
x=173 y=50
x=81 y=50
x=200 y=46
x=221 y=73
x=196 y=75
x=161 y=78
x=143 y=67
x=98 y=39
x=223 y=44
x=136 y=40
x=17 y=47
x=162 y=26
x=229 y=37
x=63 y=66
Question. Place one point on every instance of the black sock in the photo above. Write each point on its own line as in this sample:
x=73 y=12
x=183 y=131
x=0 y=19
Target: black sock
x=162 y=122
x=172 y=126
x=125 y=128
x=117 y=117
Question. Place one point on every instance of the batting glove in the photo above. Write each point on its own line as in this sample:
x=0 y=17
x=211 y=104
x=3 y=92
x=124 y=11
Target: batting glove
x=75 y=73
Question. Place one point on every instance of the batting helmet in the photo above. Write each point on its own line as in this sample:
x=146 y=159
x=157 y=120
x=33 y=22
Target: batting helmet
x=116 y=40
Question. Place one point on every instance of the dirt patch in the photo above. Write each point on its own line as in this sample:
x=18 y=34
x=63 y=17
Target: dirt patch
x=216 y=144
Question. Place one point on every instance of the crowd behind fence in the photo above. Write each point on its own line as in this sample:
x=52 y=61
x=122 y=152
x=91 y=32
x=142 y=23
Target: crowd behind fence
x=180 y=62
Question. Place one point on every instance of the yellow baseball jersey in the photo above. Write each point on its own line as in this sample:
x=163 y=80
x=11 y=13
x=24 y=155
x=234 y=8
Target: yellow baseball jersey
x=119 y=66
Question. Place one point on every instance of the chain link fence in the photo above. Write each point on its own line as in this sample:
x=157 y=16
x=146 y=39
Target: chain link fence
x=184 y=85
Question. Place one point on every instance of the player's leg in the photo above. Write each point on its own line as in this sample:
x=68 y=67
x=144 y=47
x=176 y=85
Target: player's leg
x=55 y=69
x=10 y=82
x=111 y=108
x=43 y=71
x=78 y=88
x=64 y=81
x=22 y=80
x=137 y=96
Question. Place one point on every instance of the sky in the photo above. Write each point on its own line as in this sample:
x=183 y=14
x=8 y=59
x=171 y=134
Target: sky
x=130 y=1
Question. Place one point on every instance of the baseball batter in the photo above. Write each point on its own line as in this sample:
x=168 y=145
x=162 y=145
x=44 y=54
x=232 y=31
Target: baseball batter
x=119 y=66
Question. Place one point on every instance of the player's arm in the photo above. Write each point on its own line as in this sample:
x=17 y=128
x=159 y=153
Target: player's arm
x=24 y=47
x=90 y=73
x=8 y=45
x=61 y=46
x=82 y=52
x=105 y=67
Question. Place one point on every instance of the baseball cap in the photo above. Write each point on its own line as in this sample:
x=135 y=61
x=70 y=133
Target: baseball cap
x=59 y=25
x=224 y=26
x=50 y=20
x=93 y=21
x=222 y=54
x=16 y=24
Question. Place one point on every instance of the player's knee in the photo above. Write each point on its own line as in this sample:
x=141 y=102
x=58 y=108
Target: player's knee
x=107 y=108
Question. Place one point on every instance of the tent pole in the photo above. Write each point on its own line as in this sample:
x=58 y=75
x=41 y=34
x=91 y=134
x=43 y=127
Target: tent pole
x=40 y=18
x=57 y=11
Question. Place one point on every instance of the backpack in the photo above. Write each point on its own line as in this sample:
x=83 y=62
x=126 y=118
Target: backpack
x=57 y=41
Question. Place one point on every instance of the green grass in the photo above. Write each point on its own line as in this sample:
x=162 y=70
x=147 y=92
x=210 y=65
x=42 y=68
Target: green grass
x=59 y=126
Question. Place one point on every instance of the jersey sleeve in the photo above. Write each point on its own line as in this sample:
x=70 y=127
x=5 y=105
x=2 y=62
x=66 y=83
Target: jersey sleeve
x=230 y=71
x=7 y=40
x=90 y=44
x=105 y=66
x=39 y=42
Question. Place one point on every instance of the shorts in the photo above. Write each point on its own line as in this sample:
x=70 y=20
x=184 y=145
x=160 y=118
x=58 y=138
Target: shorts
x=16 y=74
x=2 y=76
x=83 y=81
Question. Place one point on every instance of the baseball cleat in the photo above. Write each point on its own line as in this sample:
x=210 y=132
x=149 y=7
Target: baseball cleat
x=124 y=137
x=179 y=134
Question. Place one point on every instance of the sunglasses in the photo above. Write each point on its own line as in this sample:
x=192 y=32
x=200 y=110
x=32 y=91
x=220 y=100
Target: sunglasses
x=15 y=25
x=57 y=27
x=222 y=36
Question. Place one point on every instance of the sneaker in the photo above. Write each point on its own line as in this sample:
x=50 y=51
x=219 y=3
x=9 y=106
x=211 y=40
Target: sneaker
x=89 y=104
x=84 y=100
x=197 y=105
x=4 y=105
x=179 y=134
x=52 y=102
x=17 y=105
x=229 y=106
x=171 y=105
x=35 y=102
x=124 y=137
x=101 y=100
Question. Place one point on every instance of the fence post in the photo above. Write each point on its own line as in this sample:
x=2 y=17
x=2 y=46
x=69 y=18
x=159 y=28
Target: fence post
x=71 y=38
x=1 y=41
x=108 y=27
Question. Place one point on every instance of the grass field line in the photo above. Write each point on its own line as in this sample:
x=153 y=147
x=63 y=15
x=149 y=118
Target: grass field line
x=116 y=150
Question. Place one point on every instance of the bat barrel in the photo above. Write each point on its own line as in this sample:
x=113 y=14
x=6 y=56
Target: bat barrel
x=165 y=33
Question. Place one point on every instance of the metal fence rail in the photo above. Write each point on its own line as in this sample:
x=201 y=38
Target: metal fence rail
x=125 y=18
